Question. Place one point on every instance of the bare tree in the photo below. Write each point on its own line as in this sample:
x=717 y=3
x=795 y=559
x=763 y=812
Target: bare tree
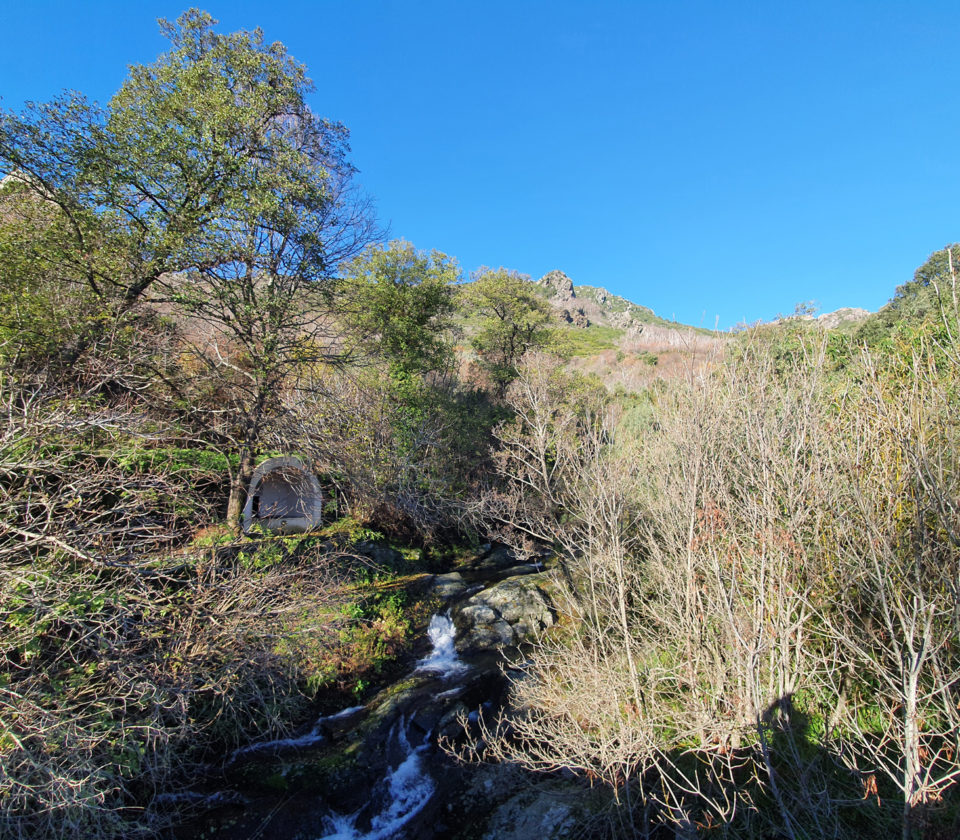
x=694 y=577
x=899 y=560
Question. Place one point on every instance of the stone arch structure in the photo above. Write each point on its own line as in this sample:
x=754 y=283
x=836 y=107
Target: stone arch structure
x=284 y=497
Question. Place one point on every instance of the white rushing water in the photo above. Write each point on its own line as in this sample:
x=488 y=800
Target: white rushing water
x=443 y=658
x=313 y=738
x=406 y=789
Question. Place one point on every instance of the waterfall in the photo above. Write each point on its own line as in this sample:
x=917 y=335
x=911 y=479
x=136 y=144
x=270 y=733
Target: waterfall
x=443 y=659
x=405 y=790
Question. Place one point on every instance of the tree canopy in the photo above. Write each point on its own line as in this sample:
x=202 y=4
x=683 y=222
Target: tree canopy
x=401 y=300
x=208 y=160
x=932 y=291
x=512 y=319
x=206 y=185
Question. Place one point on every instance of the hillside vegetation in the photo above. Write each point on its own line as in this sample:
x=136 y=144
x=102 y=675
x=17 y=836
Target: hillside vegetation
x=758 y=533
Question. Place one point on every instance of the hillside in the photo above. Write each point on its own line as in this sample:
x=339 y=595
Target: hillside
x=929 y=296
x=593 y=305
x=576 y=572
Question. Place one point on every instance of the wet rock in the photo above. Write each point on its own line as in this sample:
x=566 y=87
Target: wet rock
x=522 y=569
x=493 y=559
x=511 y=612
x=449 y=727
x=447 y=586
x=338 y=726
x=550 y=812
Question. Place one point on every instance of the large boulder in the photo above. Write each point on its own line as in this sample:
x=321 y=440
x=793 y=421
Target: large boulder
x=511 y=612
x=547 y=812
x=451 y=585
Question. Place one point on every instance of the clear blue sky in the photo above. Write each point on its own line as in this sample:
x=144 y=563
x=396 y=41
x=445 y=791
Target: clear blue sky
x=707 y=159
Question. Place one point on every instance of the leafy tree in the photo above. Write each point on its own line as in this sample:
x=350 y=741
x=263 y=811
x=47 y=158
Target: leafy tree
x=208 y=184
x=401 y=302
x=931 y=295
x=512 y=319
x=164 y=179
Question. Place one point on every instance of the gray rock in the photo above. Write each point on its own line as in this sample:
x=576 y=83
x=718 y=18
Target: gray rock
x=576 y=316
x=495 y=558
x=449 y=726
x=509 y=613
x=832 y=320
x=379 y=553
x=551 y=812
x=559 y=284
x=451 y=585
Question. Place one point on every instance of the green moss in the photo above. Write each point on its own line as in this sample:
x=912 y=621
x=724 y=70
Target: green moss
x=171 y=459
x=352 y=530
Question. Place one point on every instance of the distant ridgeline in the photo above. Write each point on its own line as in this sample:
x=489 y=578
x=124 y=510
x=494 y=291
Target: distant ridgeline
x=586 y=305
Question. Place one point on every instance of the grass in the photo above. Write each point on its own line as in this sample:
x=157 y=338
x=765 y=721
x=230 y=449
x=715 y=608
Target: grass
x=577 y=341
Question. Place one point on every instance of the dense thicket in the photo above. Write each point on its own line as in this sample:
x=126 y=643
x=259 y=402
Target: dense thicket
x=766 y=579
x=186 y=287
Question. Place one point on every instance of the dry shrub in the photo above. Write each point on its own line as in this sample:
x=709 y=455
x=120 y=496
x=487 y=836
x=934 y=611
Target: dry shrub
x=763 y=586
x=402 y=454
x=125 y=667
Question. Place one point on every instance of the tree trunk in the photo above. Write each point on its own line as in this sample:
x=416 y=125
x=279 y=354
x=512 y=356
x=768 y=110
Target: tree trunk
x=911 y=775
x=241 y=480
x=238 y=489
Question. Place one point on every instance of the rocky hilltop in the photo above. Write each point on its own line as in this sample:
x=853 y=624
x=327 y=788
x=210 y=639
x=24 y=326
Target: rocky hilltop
x=559 y=287
x=845 y=318
x=584 y=306
x=844 y=315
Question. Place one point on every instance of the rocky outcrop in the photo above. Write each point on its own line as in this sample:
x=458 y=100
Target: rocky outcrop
x=550 y=811
x=559 y=285
x=511 y=612
x=377 y=770
x=832 y=320
x=576 y=316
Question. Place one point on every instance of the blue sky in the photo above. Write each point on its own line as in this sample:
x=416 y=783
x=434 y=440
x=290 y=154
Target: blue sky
x=716 y=161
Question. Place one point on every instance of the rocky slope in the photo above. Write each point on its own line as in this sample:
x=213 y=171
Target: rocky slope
x=584 y=306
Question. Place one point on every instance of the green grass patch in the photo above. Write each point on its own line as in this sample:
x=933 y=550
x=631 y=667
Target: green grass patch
x=172 y=459
x=587 y=341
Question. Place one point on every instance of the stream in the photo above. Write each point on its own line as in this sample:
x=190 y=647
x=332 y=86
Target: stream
x=404 y=790
x=377 y=771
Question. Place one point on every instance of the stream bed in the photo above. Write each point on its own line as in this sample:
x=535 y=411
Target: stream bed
x=379 y=771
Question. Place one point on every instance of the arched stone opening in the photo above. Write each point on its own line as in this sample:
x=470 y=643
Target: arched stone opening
x=284 y=498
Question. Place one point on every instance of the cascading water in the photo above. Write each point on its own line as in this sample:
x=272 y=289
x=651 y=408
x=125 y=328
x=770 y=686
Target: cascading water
x=443 y=659
x=405 y=789
x=309 y=739
x=376 y=772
